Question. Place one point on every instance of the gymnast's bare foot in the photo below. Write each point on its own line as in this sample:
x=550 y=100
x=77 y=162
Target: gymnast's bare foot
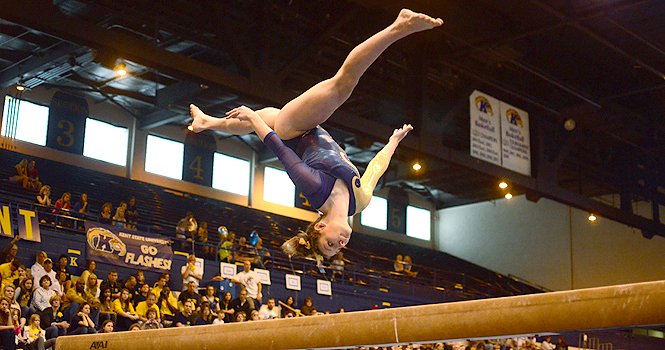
x=201 y=120
x=412 y=22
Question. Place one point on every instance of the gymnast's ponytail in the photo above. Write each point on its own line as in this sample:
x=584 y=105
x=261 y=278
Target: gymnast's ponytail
x=305 y=243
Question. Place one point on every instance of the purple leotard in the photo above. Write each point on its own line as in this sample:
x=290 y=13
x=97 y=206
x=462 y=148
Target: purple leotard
x=314 y=161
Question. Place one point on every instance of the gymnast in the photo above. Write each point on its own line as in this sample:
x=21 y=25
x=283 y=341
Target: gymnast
x=316 y=164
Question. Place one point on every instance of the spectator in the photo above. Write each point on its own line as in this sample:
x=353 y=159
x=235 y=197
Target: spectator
x=226 y=309
x=10 y=293
x=52 y=321
x=63 y=261
x=112 y=283
x=250 y=280
x=32 y=180
x=168 y=306
x=399 y=263
x=184 y=318
x=186 y=227
x=42 y=295
x=119 y=217
x=307 y=309
x=22 y=274
x=262 y=254
x=63 y=204
x=202 y=239
x=131 y=214
x=134 y=327
x=90 y=268
x=206 y=317
x=37 y=268
x=241 y=249
x=8 y=253
x=81 y=206
x=149 y=304
x=226 y=248
x=159 y=285
x=35 y=335
x=561 y=344
x=107 y=327
x=152 y=322
x=44 y=196
x=240 y=316
x=241 y=304
x=546 y=344
x=338 y=265
x=24 y=297
x=143 y=293
x=105 y=215
x=254 y=316
x=268 y=311
x=92 y=287
x=140 y=278
x=81 y=321
x=106 y=312
x=9 y=272
x=7 y=335
x=124 y=310
x=190 y=295
x=131 y=287
x=77 y=296
x=407 y=267
x=21 y=173
x=212 y=299
x=188 y=274
x=47 y=270
x=290 y=307
x=57 y=284
x=19 y=328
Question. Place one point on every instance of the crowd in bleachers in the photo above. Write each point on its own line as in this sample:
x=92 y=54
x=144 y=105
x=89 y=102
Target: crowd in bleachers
x=43 y=302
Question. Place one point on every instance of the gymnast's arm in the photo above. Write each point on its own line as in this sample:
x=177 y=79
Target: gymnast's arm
x=378 y=166
x=306 y=179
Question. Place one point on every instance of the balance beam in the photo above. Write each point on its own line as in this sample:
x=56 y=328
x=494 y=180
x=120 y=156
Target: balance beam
x=638 y=304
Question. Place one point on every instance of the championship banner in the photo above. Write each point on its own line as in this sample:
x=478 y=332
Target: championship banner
x=198 y=160
x=66 y=122
x=112 y=245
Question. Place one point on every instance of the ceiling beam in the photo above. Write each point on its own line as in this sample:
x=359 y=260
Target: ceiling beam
x=36 y=64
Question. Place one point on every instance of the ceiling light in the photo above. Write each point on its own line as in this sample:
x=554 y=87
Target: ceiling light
x=503 y=184
x=121 y=69
x=569 y=125
x=20 y=87
x=190 y=128
x=416 y=166
x=509 y=196
x=592 y=217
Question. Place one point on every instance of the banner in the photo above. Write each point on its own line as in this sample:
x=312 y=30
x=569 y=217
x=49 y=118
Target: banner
x=66 y=122
x=515 y=139
x=485 y=127
x=292 y=282
x=198 y=160
x=118 y=246
x=28 y=225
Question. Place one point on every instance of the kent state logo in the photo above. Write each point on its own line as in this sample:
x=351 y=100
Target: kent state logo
x=514 y=118
x=103 y=240
x=483 y=105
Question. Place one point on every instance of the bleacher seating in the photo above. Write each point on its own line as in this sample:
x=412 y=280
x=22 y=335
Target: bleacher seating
x=161 y=208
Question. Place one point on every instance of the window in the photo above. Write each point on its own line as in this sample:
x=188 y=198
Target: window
x=105 y=142
x=278 y=188
x=376 y=214
x=230 y=174
x=32 y=121
x=164 y=157
x=418 y=223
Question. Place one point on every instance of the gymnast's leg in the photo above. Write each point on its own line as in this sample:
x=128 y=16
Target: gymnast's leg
x=317 y=104
x=233 y=126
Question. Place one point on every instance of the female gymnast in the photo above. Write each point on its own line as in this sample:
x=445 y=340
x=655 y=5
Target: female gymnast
x=318 y=166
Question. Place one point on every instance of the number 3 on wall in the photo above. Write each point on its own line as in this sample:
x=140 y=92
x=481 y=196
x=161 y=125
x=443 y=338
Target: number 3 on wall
x=68 y=133
x=197 y=168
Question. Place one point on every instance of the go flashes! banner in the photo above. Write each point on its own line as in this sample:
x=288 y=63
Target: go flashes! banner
x=112 y=245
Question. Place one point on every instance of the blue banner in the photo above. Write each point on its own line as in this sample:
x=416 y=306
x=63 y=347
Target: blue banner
x=128 y=248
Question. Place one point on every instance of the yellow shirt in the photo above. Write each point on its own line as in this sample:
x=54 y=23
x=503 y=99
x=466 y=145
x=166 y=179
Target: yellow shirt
x=117 y=307
x=165 y=309
x=142 y=308
x=8 y=276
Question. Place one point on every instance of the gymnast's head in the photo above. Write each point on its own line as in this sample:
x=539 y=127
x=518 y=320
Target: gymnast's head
x=323 y=237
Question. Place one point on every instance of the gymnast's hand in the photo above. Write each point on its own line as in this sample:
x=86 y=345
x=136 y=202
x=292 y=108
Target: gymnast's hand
x=400 y=134
x=243 y=113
